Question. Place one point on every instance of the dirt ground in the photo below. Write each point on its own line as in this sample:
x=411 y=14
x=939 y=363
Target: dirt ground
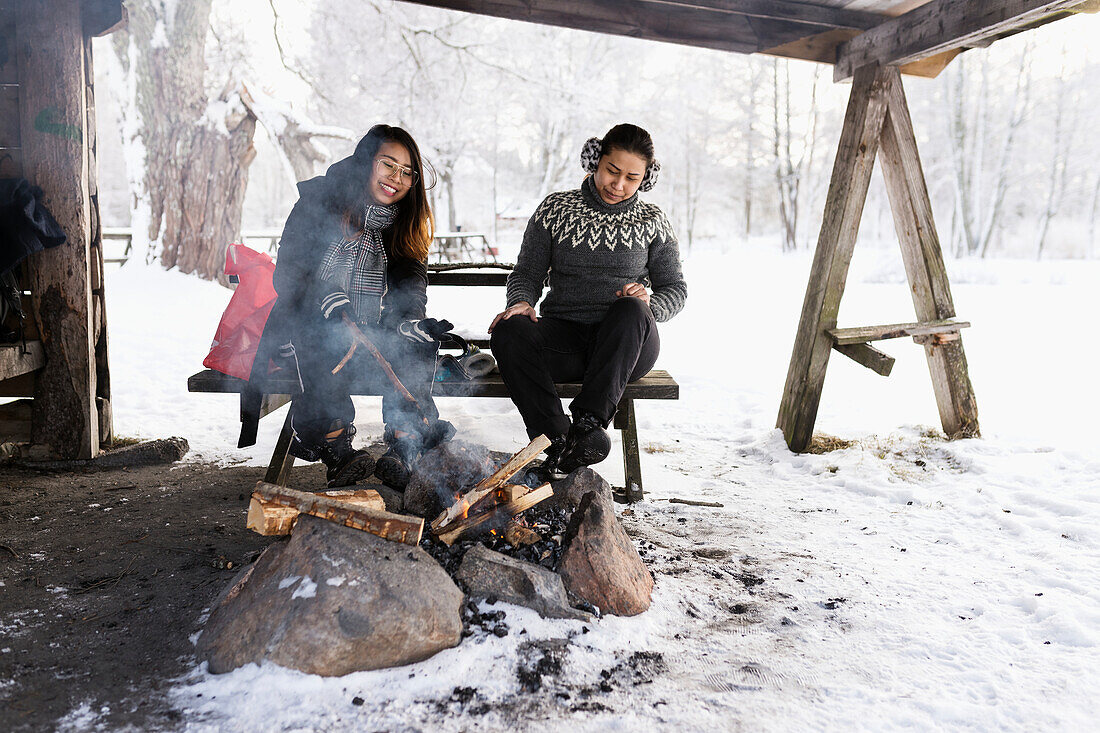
x=103 y=578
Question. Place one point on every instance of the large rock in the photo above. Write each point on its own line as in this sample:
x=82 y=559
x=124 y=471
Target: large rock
x=490 y=574
x=442 y=472
x=334 y=600
x=600 y=564
x=570 y=490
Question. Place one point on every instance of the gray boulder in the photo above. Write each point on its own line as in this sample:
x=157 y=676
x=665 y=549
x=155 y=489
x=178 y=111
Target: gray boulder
x=334 y=600
x=442 y=472
x=487 y=574
x=570 y=490
x=600 y=564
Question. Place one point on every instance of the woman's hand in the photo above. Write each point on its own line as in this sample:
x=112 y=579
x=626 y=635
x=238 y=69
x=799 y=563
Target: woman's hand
x=634 y=290
x=522 y=308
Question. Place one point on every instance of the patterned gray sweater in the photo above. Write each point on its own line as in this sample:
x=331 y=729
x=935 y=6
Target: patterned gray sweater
x=591 y=249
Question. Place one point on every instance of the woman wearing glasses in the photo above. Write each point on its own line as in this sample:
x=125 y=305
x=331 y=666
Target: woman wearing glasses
x=353 y=252
x=613 y=267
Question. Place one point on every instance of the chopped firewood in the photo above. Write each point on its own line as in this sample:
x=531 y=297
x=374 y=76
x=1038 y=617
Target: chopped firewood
x=451 y=532
x=517 y=535
x=499 y=495
x=267 y=518
x=486 y=485
x=393 y=527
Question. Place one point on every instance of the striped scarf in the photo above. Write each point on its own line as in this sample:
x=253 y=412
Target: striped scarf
x=358 y=265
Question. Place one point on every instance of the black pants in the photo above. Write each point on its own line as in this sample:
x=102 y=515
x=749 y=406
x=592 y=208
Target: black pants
x=604 y=356
x=326 y=397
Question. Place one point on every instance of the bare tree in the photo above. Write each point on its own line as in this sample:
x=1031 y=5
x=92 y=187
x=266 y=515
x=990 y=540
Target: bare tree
x=789 y=171
x=1061 y=140
x=188 y=186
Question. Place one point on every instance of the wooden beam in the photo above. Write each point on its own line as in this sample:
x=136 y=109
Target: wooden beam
x=924 y=265
x=53 y=114
x=855 y=158
x=808 y=13
x=704 y=24
x=868 y=356
x=14 y=362
x=940 y=25
x=9 y=116
x=862 y=334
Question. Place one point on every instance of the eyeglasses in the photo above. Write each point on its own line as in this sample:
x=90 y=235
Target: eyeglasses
x=389 y=169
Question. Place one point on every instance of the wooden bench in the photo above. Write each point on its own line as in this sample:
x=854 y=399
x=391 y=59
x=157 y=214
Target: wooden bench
x=657 y=385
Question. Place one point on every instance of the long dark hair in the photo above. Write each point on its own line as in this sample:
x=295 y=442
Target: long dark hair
x=415 y=225
x=629 y=138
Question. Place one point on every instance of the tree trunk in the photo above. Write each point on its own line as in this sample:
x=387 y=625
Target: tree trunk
x=195 y=154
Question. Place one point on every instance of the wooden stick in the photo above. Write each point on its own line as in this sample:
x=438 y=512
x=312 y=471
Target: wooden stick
x=347 y=357
x=486 y=485
x=510 y=509
x=692 y=502
x=361 y=338
x=271 y=519
x=393 y=527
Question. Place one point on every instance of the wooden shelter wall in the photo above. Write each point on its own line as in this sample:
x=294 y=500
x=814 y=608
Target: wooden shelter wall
x=11 y=153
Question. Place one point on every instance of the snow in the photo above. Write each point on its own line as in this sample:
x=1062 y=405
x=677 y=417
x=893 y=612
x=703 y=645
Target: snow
x=902 y=582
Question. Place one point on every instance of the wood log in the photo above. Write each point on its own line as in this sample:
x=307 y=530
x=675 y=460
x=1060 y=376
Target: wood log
x=486 y=485
x=268 y=518
x=454 y=531
x=517 y=535
x=393 y=527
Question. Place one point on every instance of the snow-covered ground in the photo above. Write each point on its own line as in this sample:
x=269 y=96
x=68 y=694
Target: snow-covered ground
x=904 y=582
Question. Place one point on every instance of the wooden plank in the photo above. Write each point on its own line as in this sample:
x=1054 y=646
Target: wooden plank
x=862 y=334
x=393 y=527
x=9 y=117
x=14 y=362
x=851 y=176
x=868 y=356
x=270 y=519
x=924 y=265
x=52 y=103
x=814 y=14
x=938 y=26
x=21 y=386
x=281 y=460
x=657 y=385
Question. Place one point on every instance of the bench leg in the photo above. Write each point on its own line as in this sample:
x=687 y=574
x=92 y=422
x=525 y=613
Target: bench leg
x=281 y=460
x=632 y=464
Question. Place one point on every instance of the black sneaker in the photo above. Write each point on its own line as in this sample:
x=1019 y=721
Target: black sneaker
x=393 y=467
x=345 y=464
x=586 y=444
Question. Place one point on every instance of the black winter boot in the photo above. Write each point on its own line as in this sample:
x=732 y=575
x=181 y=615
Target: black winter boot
x=549 y=470
x=587 y=443
x=393 y=467
x=345 y=464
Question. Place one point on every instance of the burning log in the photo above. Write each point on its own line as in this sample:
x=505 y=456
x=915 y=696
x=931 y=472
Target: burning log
x=486 y=486
x=393 y=527
x=519 y=535
x=452 y=531
x=268 y=518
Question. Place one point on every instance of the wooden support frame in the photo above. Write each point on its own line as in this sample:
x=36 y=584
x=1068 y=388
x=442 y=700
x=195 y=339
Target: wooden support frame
x=877 y=115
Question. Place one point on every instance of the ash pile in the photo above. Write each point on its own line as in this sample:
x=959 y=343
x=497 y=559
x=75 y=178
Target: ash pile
x=370 y=578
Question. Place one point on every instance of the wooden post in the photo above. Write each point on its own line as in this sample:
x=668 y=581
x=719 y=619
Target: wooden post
x=924 y=266
x=855 y=159
x=54 y=139
x=627 y=424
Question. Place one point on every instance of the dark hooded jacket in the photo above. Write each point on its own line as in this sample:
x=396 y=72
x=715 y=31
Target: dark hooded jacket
x=314 y=223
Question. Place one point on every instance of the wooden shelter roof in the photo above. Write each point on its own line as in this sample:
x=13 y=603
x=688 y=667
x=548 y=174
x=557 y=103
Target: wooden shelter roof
x=920 y=36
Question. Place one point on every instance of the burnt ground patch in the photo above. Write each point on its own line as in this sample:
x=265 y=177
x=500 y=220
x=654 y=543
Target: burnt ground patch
x=105 y=576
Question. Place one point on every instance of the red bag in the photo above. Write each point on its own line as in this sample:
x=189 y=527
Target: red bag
x=238 y=334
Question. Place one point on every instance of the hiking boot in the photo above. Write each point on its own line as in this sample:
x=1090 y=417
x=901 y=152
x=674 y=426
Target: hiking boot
x=587 y=443
x=549 y=470
x=393 y=467
x=345 y=464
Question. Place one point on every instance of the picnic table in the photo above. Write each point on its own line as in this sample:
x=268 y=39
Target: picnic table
x=462 y=247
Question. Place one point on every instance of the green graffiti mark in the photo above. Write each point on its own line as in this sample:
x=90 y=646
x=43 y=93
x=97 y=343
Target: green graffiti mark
x=46 y=121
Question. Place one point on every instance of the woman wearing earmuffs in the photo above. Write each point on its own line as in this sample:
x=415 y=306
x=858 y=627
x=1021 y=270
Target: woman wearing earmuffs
x=613 y=266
